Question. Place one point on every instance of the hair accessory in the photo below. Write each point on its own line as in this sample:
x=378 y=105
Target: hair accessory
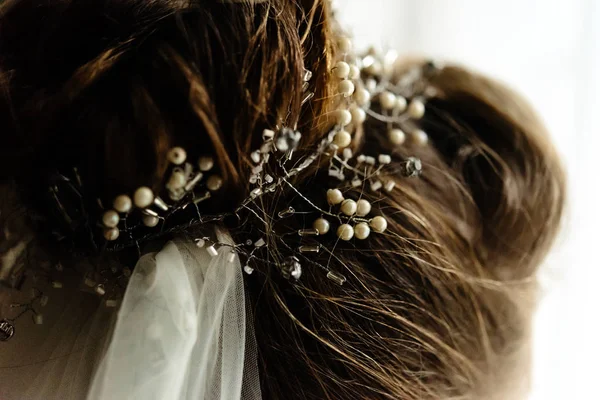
x=366 y=91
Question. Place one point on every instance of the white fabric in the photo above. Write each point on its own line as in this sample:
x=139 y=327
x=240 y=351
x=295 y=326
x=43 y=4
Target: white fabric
x=181 y=332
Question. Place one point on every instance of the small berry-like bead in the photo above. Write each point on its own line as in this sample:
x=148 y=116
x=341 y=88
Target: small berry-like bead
x=342 y=70
x=362 y=231
x=214 y=183
x=420 y=137
x=375 y=68
x=110 y=219
x=345 y=232
x=143 y=197
x=387 y=100
x=358 y=114
x=400 y=104
x=378 y=224
x=177 y=155
x=397 y=136
x=362 y=97
x=346 y=88
x=348 y=207
x=122 y=203
x=334 y=196
x=205 y=163
x=354 y=72
x=363 y=207
x=111 y=234
x=150 y=221
x=177 y=180
x=344 y=45
x=342 y=139
x=322 y=225
x=416 y=109
x=344 y=117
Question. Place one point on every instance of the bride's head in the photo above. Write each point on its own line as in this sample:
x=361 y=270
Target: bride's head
x=437 y=306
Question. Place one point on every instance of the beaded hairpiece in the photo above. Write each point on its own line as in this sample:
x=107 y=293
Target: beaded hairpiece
x=362 y=81
x=144 y=215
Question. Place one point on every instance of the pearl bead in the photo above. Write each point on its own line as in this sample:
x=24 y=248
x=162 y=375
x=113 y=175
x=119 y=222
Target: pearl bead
x=341 y=70
x=362 y=97
x=122 y=203
x=322 y=225
x=420 y=137
x=354 y=72
x=334 y=196
x=363 y=207
x=177 y=180
x=177 y=155
x=342 y=139
x=345 y=232
x=362 y=231
x=214 y=183
x=344 y=117
x=416 y=109
x=375 y=68
x=344 y=45
x=400 y=104
x=348 y=207
x=150 y=221
x=358 y=114
x=111 y=234
x=205 y=163
x=346 y=88
x=387 y=100
x=371 y=85
x=397 y=136
x=143 y=197
x=110 y=219
x=379 y=224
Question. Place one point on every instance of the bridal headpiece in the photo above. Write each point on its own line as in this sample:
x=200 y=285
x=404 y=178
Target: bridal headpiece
x=133 y=219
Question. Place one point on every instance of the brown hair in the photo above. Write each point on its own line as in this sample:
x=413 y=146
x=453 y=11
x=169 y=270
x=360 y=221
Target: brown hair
x=436 y=308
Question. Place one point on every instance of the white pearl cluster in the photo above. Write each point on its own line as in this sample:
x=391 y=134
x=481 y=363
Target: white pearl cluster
x=355 y=98
x=182 y=181
x=401 y=114
x=415 y=110
x=354 y=212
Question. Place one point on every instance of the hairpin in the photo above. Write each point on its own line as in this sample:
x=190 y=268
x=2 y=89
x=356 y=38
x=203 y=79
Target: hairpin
x=365 y=90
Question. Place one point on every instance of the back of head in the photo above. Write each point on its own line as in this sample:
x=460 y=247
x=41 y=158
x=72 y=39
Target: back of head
x=437 y=307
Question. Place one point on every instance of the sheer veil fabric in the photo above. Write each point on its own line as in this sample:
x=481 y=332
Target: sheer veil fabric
x=182 y=332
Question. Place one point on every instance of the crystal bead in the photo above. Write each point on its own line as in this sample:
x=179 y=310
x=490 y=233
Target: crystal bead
x=291 y=268
x=336 y=277
x=309 y=249
x=287 y=212
x=308 y=232
x=413 y=167
x=7 y=330
x=212 y=250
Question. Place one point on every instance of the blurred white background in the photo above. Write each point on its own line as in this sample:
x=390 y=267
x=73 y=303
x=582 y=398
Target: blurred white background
x=550 y=51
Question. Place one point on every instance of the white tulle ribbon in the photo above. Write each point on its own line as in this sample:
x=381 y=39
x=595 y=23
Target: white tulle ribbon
x=181 y=331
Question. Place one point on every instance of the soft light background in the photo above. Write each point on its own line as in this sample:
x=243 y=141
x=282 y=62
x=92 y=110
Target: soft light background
x=550 y=51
